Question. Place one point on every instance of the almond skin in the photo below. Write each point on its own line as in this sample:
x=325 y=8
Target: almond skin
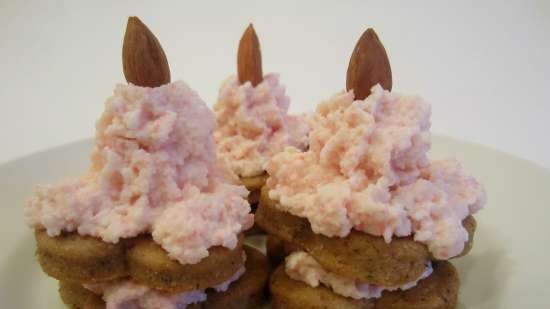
x=368 y=66
x=249 y=58
x=143 y=59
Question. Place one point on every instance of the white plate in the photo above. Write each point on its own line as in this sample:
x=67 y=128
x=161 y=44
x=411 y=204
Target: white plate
x=508 y=267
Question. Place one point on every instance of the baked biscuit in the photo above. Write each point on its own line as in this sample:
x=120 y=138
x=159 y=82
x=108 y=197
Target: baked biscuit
x=75 y=296
x=84 y=259
x=247 y=292
x=150 y=265
x=72 y=257
x=360 y=256
x=438 y=291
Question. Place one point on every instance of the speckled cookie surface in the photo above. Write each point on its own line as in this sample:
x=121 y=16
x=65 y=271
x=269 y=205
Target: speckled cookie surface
x=72 y=257
x=150 y=265
x=83 y=259
x=439 y=291
x=360 y=256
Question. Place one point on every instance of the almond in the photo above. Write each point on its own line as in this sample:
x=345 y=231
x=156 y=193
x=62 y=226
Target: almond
x=368 y=66
x=143 y=59
x=249 y=58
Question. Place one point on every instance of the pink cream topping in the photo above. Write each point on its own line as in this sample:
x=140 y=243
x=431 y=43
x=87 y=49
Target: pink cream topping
x=367 y=169
x=129 y=295
x=154 y=170
x=301 y=266
x=253 y=124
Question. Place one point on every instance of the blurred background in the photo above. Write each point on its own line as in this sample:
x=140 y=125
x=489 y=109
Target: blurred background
x=485 y=67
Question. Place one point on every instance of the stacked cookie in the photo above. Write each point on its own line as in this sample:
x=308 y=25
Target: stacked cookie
x=358 y=257
x=252 y=118
x=81 y=263
x=363 y=219
x=156 y=223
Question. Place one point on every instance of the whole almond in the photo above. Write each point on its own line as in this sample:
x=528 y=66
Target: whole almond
x=143 y=59
x=368 y=66
x=249 y=58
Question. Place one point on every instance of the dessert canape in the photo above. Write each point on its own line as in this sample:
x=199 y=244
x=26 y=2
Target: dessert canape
x=370 y=221
x=251 y=114
x=156 y=222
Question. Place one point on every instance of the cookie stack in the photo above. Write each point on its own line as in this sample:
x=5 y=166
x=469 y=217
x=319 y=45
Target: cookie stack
x=156 y=222
x=252 y=118
x=364 y=219
x=86 y=266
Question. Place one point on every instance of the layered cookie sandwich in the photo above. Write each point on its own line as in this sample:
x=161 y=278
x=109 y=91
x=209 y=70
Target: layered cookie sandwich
x=156 y=222
x=252 y=118
x=364 y=217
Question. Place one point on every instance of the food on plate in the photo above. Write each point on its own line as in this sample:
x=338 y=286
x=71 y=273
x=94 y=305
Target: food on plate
x=157 y=221
x=367 y=218
x=252 y=118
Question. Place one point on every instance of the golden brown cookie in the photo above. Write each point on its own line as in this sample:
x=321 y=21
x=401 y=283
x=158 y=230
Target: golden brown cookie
x=287 y=293
x=77 y=297
x=249 y=291
x=95 y=302
x=71 y=257
x=360 y=256
x=150 y=265
x=367 y=258
x=276 y=222
x=439 y=291
x=84 y=259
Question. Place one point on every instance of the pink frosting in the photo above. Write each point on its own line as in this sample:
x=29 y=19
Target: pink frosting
x=303 y=267
x=154 y=170
x=129 y=295
x=253 y=124
x=367 y=168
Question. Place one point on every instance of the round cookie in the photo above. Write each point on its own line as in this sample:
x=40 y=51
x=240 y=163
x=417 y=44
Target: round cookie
x=247 y=292
x=439 y=291
x=275 y=222
x=75 y=296
x=95 y=302
x=287 y=293
x=150 y=265
x=71 y=257
x=367 y=258
x=360 y=256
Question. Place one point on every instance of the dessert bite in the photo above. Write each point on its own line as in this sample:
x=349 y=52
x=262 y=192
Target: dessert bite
x=252 y=117
x=156 y=222
x=364 y=217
